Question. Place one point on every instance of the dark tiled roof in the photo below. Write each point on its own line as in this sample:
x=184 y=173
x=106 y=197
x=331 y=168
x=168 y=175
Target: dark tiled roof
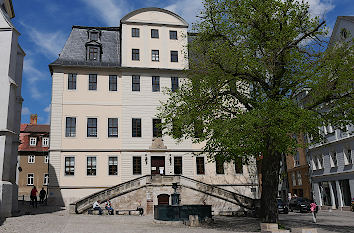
x=37 y=129
x=74 y=51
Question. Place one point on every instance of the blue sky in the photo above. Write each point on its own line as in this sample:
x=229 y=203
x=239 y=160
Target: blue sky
x=46 y=24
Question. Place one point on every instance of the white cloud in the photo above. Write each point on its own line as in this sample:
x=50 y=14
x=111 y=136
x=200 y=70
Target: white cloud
x=110 y=11
x=187 y=9
x=25 y=111
x=33 y=75
x=320 y=8
x=47 y=109
x=49 y=43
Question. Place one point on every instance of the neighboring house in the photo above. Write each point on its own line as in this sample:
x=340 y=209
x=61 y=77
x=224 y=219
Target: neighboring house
x=331 y=162
x=33 y=157
x=11 y=63
x=107 y=85
x=298 y=172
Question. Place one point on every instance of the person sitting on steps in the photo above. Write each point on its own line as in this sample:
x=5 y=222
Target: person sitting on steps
x=109 y=207
x=96 y=206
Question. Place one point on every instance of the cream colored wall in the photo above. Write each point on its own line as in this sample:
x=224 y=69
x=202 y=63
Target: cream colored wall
x=155 y=17
x=145 y=44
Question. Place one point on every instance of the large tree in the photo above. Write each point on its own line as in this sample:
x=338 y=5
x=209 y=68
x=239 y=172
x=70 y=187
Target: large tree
x=260 y=72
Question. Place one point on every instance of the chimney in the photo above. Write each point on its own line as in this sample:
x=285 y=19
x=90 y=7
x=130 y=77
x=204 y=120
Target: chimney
x=33 y=119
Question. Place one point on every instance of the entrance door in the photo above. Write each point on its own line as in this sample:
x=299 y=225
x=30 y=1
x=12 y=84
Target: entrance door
x=158 y=165
x=163 y=199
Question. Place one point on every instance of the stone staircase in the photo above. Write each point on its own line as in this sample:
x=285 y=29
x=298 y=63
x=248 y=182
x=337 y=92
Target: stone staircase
x=85 y=203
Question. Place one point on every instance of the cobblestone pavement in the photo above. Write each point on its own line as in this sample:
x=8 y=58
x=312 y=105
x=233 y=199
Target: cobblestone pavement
x=48 y=220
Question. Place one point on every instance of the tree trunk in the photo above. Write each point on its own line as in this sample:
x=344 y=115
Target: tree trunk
x=270 y=180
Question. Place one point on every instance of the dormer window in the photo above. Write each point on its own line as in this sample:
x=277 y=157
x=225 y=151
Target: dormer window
x=344 y=34
x=94 y=36
x=93 y=54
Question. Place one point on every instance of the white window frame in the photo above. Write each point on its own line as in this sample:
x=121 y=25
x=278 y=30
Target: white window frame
x=298 y=178
x=332 y=162
x=45 y=142
x=293 y=177
x=46 y=179
x=314 y=168
x=33 y=141
x=28 y=174
x=31 y=159
x=46 y=159
x=296 y=162
x=347 y=157
x=320 y=162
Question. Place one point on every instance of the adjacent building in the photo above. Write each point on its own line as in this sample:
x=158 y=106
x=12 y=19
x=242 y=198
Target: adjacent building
x=11 y=63
x=33 y=157
x=107 y=85
x=298 y=172
x=331 y=162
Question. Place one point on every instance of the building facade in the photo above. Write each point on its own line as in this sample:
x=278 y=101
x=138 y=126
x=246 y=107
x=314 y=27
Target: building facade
x=331 y=162
x=107 y=85
x=11 y=63
x=33 y=157
x=298 y=173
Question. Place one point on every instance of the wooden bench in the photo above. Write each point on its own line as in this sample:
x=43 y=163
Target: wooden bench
x=140 y=211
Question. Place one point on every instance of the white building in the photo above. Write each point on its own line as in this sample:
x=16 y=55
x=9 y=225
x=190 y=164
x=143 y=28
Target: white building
x=11 y=62
x=331 y=162
x=107 y=84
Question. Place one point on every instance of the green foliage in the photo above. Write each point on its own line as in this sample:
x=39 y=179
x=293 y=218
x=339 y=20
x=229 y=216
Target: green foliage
x=260 y=71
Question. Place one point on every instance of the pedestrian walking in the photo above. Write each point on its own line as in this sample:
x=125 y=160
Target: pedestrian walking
x=33 y=196
x=42 y=195
x=313 y=210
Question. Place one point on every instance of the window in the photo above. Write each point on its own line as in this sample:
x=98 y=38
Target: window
x=154 y=33
x=176 y=129
x=178 y=165
x=155 y=83
x=135 y=83
x=173 y=35
x=113 y=83
x=313 y=160
x=30 y=179
x=93 y=82
x=91 y=166
x=296 y=159
x=136 y=165
x=135 y=32
x=174 y=83
x=45 y=142
x=219 y=164
x=238 y=166
x=333 y=159
x=71 y=81
x=91 y=127
x=293 y=178
x=136 y=127
x=155 y=55
x=112 y=166
x=31 y=159
x=299 y=179
x=70 y=129
x=33 y=141
x=200 y=165
x=344 y=33
x=174 y=56
x=135 y=55
x=347 y=156
x=46 y=159
x=93 y=53
x=94 y=36
x=156 y=128
x=112 y=127
x=46 y=179
x=69 y=166
x=320 y=161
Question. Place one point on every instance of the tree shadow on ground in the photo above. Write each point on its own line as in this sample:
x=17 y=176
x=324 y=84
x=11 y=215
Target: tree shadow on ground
x=239 y=224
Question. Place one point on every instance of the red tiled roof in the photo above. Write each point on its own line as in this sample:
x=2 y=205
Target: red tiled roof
x=35 y=128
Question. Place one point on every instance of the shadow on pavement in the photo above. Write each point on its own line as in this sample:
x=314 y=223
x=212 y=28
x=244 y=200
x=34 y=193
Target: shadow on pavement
x=239 y=224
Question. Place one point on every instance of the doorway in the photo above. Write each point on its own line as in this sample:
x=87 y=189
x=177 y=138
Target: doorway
x=158 y=165
x=163 y=199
